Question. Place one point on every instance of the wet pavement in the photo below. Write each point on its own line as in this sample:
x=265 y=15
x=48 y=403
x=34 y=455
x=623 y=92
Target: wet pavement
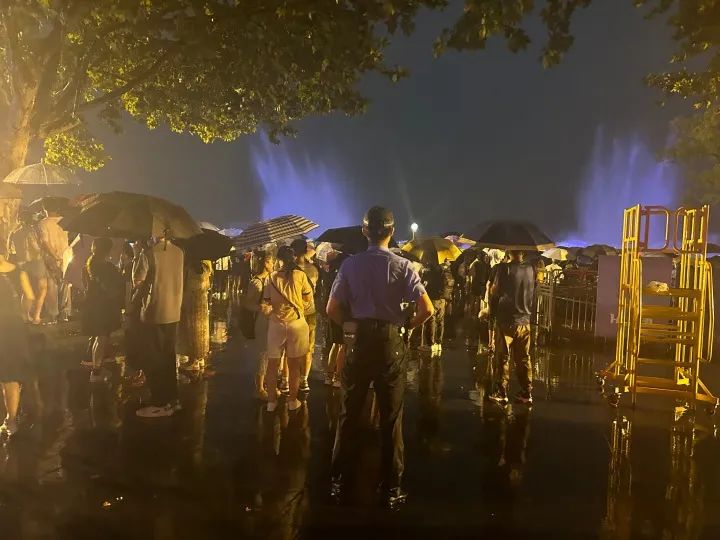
x=570 y=467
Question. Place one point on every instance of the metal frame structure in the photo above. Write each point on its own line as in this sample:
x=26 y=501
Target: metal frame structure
x=565 y=303
x=685 y=321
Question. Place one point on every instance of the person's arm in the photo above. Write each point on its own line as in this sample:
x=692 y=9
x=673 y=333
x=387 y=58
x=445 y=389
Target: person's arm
x=338 y=298
x=415 y=292
x=423 y=312
x=140 y=270
x=27 y=289
x=265 y=304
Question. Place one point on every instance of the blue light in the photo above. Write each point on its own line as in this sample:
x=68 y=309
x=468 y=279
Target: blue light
x=621 y=173
x=298 y=184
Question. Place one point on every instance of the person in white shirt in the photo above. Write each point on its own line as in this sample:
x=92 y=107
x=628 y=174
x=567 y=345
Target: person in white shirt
x=55 y=246
x=160 y=270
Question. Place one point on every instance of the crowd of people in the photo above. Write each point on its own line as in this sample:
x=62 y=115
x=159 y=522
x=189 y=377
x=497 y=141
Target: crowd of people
x=149 y=288
x=373 y=306
x=369 y=309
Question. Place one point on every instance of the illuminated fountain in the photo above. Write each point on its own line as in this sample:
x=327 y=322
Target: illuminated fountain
x=621 y=173
x=302 y=186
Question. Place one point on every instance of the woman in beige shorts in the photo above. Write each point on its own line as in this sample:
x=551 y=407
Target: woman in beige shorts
x=286 y=298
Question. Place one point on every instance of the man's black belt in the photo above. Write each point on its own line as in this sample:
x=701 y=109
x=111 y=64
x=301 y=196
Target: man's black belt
x=375 y=324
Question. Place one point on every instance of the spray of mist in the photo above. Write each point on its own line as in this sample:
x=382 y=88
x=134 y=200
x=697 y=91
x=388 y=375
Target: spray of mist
x=299 y=184
x=621 y=173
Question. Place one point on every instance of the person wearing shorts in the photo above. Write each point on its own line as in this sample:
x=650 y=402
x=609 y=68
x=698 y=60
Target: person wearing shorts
x=286 y=299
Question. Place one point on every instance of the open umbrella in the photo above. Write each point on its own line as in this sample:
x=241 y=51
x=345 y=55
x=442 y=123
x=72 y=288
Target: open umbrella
x=433 y=248
x=460 y=241
x=207 y=246
x=119 y=214
x=598 y=249
x=511 y=235
x=273 y=230
x=61 y=205
x=556 y=254
x=42 y=174
x=349 y=240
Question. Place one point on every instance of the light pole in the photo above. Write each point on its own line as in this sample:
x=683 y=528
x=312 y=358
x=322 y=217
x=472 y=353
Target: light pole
x=414 y=229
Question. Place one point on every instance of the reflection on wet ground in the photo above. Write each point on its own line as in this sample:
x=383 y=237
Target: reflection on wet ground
x=570 y=467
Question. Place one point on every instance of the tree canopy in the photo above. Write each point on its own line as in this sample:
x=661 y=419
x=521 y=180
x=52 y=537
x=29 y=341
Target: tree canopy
x=223 y=68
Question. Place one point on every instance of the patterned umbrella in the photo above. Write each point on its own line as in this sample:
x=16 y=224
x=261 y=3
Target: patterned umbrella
x=511 y=235
x=42 y=174
x=119 y=214
x=273 y=230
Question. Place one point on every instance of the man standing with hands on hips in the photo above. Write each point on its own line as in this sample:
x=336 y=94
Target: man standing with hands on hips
x=366 y=299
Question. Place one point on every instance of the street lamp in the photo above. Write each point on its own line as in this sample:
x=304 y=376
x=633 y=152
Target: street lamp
x=414 y=229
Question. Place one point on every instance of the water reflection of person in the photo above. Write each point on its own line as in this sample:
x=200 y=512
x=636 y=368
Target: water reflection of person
x=430 y=393
x=281 y=496
x=505 y=451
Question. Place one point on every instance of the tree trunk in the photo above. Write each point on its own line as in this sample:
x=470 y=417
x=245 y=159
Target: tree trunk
x=15 y=140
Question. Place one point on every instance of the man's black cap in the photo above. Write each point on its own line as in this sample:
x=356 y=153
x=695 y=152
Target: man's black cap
x=379 y=218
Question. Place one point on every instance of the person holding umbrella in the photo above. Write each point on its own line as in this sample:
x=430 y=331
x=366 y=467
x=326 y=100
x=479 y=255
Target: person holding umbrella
x=102 y=309
x=159 y=274
x=512 y=291
x=366 y=299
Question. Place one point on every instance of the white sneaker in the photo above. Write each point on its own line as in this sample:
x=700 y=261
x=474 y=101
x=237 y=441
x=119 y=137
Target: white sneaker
x=156 y=412
x=336 y=383
x=271 y=406
x=295 y=405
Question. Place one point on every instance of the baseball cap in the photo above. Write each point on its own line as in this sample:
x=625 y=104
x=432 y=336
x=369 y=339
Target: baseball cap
x=378 y=218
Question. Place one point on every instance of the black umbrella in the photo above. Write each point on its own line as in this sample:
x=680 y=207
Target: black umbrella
x=510 y=235
x=208 y=246
x=61 y=205
x=130 y=215
x=350 y=240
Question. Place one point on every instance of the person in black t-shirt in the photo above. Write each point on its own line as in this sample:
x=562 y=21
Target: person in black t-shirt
x=511 y=301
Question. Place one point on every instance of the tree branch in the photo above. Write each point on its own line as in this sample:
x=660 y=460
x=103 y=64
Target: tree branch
x=58 y=126
x=131 y=83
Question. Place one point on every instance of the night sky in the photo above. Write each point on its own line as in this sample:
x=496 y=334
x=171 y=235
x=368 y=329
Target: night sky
x=467 y=137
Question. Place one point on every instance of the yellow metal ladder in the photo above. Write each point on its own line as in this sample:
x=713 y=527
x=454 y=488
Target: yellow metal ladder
x=685 y=321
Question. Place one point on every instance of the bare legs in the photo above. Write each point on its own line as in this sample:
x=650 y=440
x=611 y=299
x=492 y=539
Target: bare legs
x=271 y=377
x=294 y=367
x=260 y=376
x=11 y=395
x=36 y=309
x=336 y=360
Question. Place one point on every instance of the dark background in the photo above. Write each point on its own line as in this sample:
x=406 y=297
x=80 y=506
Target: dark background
x=467 y=137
